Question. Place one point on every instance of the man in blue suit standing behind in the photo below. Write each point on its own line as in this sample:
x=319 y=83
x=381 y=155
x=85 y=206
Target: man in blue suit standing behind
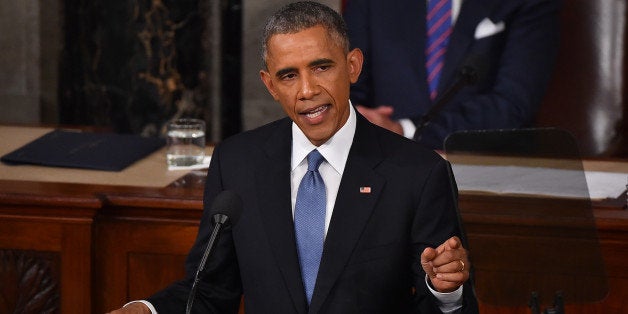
x=414 y=51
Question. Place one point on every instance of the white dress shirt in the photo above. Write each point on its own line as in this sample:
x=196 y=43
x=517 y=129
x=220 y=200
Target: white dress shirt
x=335 y=151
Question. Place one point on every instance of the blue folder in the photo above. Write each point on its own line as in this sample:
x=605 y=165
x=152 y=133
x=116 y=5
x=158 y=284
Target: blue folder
x=98 y=151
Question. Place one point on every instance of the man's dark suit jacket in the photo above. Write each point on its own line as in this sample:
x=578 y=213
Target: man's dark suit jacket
x=371 y=258
x=517 y=62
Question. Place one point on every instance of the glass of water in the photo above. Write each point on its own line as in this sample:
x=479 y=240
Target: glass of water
x=186 y=142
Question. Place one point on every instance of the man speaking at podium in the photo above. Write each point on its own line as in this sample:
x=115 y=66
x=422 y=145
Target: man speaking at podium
x=339 y=215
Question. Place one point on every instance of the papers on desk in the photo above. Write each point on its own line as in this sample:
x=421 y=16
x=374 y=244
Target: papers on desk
x=540 y=181
x=606 y=184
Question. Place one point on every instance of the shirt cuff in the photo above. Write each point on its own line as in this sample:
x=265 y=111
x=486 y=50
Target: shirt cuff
x=150 y=306
x=408 y=127
x=448 y=301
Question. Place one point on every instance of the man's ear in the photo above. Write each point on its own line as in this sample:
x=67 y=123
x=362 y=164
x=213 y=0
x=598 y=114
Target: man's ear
x=268 y=81
x=354 y=62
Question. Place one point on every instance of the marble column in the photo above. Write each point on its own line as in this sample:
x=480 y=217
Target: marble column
x=133 y=65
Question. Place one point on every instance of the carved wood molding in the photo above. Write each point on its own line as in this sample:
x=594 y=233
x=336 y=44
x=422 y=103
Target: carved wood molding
x=28 y=282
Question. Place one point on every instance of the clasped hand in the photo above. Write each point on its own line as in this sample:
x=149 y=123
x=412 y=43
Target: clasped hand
x=381 y=116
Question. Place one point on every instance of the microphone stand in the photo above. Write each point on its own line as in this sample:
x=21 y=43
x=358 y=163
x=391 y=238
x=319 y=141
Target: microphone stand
x=558 y=308
x=468 y=76
x=219 y=221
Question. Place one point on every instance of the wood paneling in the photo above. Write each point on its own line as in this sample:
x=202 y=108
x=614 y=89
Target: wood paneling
x=587 y=94
x=63 y=230
x=135 y=257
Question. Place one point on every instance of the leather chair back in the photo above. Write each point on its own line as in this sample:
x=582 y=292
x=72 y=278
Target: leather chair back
x=586 y=94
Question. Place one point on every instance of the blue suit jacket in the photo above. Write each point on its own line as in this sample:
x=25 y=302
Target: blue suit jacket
x=371 y=257
x=517 y=62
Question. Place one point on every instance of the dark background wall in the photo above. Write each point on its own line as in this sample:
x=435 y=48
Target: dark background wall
x=129 y=66
x=132 y=65
x=125 y=66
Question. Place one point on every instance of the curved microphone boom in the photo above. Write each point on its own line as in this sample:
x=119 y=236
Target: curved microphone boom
x=225 y=210
x=472 y=71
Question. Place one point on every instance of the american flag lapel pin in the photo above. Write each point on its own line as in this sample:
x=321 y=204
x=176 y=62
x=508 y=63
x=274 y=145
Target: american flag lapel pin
x=365 y=189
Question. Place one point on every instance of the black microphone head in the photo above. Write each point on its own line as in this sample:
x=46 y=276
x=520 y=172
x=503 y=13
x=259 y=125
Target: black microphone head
x=227 y=207
x=473 y=69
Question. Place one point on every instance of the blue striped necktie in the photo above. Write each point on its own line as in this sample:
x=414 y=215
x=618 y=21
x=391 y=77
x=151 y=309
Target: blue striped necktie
x=438 y=30
x=309 y=222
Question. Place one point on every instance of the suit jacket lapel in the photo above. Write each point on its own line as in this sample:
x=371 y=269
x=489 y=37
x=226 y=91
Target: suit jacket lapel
x=352 y=209
x=275 y=210
x=471 y=13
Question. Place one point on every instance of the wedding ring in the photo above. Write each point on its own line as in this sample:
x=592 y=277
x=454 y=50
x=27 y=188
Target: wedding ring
x=461 y=265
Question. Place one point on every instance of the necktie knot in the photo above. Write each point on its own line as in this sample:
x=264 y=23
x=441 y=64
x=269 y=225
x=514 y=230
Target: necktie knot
x=314 y=160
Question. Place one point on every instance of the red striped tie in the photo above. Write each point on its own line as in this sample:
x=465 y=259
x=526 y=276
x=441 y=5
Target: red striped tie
x=438 y=30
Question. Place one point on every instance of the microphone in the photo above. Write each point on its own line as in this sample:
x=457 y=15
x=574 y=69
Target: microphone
x=225 y=210
x=472 y=71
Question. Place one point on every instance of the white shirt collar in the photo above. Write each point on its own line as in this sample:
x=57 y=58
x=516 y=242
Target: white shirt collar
x=335 y=150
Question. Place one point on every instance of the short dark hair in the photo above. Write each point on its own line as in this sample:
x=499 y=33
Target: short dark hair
x=297 y=16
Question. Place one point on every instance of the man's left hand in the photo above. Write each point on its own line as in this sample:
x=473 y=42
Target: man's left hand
x=447 y=266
